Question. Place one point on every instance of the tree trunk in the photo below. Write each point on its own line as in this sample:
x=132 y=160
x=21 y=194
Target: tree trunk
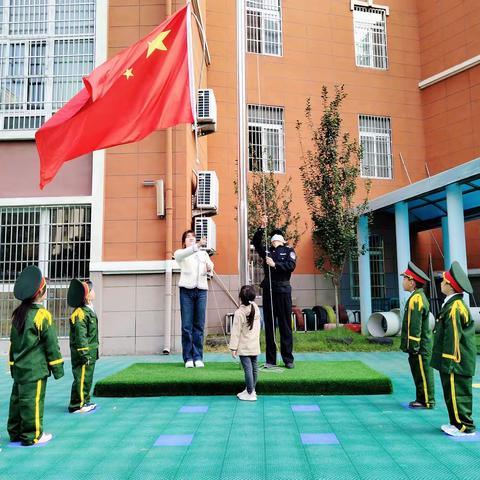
x=337 y=313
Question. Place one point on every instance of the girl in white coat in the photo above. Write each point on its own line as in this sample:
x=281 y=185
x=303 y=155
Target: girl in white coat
x=194 y=264
x=245 y=340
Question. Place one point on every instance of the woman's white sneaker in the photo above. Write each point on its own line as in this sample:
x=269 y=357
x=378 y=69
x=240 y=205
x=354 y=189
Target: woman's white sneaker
x=199 y=363
x=189 y=364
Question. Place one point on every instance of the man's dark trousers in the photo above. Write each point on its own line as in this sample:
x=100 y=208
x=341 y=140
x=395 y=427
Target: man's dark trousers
x=282 y=309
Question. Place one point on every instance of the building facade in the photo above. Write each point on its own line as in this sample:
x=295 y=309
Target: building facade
x=412 y=75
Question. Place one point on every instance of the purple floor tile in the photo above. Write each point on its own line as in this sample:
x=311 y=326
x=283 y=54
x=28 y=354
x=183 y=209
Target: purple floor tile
x=467 y=438
x=305 y=408
x=19 y=445
x=319 y=438
x=173 y=440
x=194 y=409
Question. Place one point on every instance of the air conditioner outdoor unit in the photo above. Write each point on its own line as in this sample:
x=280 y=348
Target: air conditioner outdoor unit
x=206 y=107
x=205 y=227
x=207 y=190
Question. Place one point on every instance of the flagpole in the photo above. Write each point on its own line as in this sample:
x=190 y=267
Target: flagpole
x=243 y=241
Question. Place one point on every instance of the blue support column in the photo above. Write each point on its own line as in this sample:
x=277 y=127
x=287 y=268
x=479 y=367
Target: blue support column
x=364 y=274
x=447 y=262
x=456 y=227
x=402 y=236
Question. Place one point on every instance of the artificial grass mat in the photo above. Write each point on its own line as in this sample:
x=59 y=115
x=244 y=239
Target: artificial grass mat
x=227 y=378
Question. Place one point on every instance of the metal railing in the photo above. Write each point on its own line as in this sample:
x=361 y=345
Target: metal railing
x=57 y=240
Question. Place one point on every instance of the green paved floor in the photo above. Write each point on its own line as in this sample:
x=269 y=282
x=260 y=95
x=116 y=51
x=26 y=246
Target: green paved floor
x=378 y=438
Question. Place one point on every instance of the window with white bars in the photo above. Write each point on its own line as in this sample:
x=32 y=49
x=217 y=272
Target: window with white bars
x=266 y=139
x=377 y=269
x=376 y=142
x=264 y=27
x=57 y=239
x=370 y=31
x=46 y=47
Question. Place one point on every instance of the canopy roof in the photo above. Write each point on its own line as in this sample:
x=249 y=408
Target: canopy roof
x=427 y=199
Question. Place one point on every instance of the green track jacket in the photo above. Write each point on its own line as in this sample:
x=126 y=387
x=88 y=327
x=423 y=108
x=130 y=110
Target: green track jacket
x=454 y=348
x=34 y=353
x=83 y=336
x=416 y=333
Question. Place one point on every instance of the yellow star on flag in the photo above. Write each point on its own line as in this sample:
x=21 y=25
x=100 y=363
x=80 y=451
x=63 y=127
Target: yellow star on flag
x=128 y=73
x=157 y=43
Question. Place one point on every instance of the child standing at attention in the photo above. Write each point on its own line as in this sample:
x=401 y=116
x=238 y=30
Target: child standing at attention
x=245 y=340
x=34 y=356
x=417 y=336
x=83 y=344
x=455 y=353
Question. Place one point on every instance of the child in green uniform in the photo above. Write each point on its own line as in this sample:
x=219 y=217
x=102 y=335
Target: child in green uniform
x=416 y=337
x=83 y=344
x=454 y=352
x=34 y=356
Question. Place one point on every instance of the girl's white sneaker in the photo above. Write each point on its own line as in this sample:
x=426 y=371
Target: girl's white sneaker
x=249 y=397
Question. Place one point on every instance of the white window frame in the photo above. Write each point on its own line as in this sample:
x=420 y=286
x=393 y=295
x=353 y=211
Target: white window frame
x=377 y=138
x=75 y=59
x=265 y=128
x=364 y=7
x=266 y=15
x=377 y=259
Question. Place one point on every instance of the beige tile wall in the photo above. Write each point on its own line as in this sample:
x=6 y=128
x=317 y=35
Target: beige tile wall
x=132 y=314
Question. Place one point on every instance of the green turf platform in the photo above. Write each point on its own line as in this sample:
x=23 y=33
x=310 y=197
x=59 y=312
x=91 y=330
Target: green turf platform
x=226 y=378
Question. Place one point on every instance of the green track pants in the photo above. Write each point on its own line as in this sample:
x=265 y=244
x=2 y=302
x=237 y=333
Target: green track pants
x=422 y=375
x=457 y=391
x=82 y=384
x=25 y=418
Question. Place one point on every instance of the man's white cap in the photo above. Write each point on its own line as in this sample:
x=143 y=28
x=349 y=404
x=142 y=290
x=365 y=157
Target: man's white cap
x=278 y=238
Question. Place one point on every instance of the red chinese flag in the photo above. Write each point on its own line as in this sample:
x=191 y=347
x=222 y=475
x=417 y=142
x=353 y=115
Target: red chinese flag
x=142 y=89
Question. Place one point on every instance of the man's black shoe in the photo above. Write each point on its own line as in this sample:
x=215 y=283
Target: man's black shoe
x=289 y=365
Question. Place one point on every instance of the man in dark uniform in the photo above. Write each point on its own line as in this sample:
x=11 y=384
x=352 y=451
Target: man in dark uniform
x=417 y=337
x=454 y=352
x=279 y=263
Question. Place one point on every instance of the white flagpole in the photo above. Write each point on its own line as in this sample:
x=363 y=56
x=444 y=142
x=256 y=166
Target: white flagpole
x=243 y=241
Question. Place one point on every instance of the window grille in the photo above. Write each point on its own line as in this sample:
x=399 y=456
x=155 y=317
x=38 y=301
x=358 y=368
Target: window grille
x=57 y=239
x=370 y=32
x=264 y=27
x=266 y=139
x=377 y=269
x=376 y=142
x=46 y=47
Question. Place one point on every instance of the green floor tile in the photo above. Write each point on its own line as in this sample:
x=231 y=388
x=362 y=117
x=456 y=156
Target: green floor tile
x=378 y=438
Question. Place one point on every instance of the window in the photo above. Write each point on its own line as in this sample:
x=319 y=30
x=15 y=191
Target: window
x=376 y=142
x=46 y=47
x=265 y=139
x=370 y=37
x=57 y=239
x=377 y=270
x=264 y=27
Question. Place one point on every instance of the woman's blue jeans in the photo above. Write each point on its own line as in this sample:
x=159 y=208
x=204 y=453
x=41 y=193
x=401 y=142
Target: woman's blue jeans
x=193 y=304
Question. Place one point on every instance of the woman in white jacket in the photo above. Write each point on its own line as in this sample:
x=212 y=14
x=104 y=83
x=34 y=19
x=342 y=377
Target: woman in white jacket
x=245 y=340
x=194 y=265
